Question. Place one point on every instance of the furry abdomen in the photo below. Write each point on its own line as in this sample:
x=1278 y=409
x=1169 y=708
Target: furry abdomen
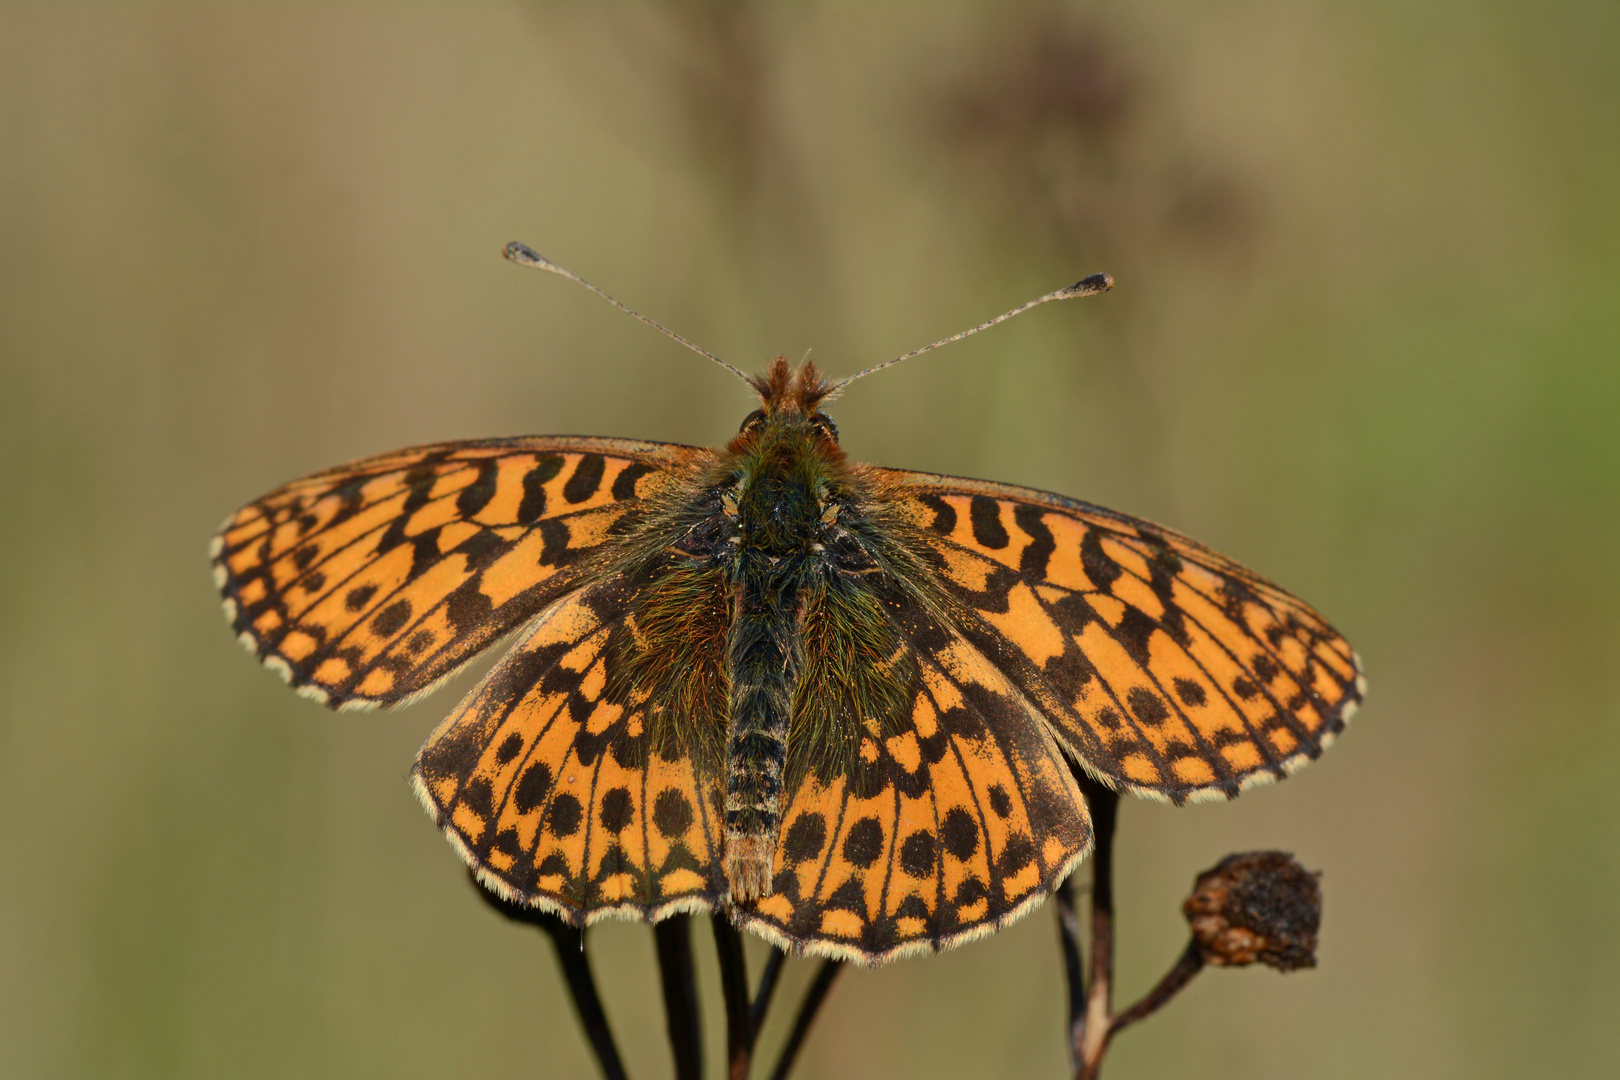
x=765 y=655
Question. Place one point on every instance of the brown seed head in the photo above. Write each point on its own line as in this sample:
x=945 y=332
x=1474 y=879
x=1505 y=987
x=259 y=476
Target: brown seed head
x=1258 y=906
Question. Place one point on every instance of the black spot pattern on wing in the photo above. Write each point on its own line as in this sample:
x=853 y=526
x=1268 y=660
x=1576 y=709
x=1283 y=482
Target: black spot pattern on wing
x=369 y=583
x=931 y=837
x=551 y=788
x=1166 y=667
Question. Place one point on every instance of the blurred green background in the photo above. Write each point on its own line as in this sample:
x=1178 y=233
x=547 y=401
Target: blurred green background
x=1365 y=339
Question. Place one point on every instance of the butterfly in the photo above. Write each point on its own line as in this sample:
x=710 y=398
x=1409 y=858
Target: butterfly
x=842 y=703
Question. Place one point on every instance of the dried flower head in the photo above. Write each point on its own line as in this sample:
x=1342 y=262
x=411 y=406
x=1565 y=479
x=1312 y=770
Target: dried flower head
x=1257 y=906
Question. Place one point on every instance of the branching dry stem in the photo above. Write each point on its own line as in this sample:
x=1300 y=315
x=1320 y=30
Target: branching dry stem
x=1092 y=1021
x=745 y=1016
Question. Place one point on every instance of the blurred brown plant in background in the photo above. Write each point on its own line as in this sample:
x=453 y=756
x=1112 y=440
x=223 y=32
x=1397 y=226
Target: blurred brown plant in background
x=1058 y=122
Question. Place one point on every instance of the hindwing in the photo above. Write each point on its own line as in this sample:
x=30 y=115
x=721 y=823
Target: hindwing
x=553 y=791
x=944 y=826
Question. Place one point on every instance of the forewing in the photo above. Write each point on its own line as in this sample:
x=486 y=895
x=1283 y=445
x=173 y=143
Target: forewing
x=1170 y=670
x=367 y=584
x=550 y=790
x=947 y=827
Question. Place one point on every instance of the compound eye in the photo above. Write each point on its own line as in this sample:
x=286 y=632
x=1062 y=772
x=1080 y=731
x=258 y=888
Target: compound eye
x=823 y=423
x=753 y=418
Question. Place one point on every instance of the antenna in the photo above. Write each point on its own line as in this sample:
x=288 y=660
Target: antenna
x=1089 y=286
x=524 y=255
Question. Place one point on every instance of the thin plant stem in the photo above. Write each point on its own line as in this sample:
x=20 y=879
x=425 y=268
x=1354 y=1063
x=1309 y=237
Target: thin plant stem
x=1092 y=1021
x=1073 y=972
x=1104 y=806
x=813 y=997
x=576 y=970
x=767 y=989
x=728 y=948
x=678 y=977
x=570 y=943
x=1190 y=963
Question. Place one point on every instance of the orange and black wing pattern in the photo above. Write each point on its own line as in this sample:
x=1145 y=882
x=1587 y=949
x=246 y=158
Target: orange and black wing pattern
x=1170 y=671
x=947 y=826
x=550 y=787
x=370 y=583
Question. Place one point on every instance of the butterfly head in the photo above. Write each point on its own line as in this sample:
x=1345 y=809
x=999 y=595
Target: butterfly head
x=789 y=411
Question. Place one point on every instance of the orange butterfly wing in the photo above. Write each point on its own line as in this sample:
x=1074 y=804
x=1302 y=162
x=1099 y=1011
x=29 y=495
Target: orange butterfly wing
x=1170 y=671
x=551 y=790
x=370 y=583
x=948 y=828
